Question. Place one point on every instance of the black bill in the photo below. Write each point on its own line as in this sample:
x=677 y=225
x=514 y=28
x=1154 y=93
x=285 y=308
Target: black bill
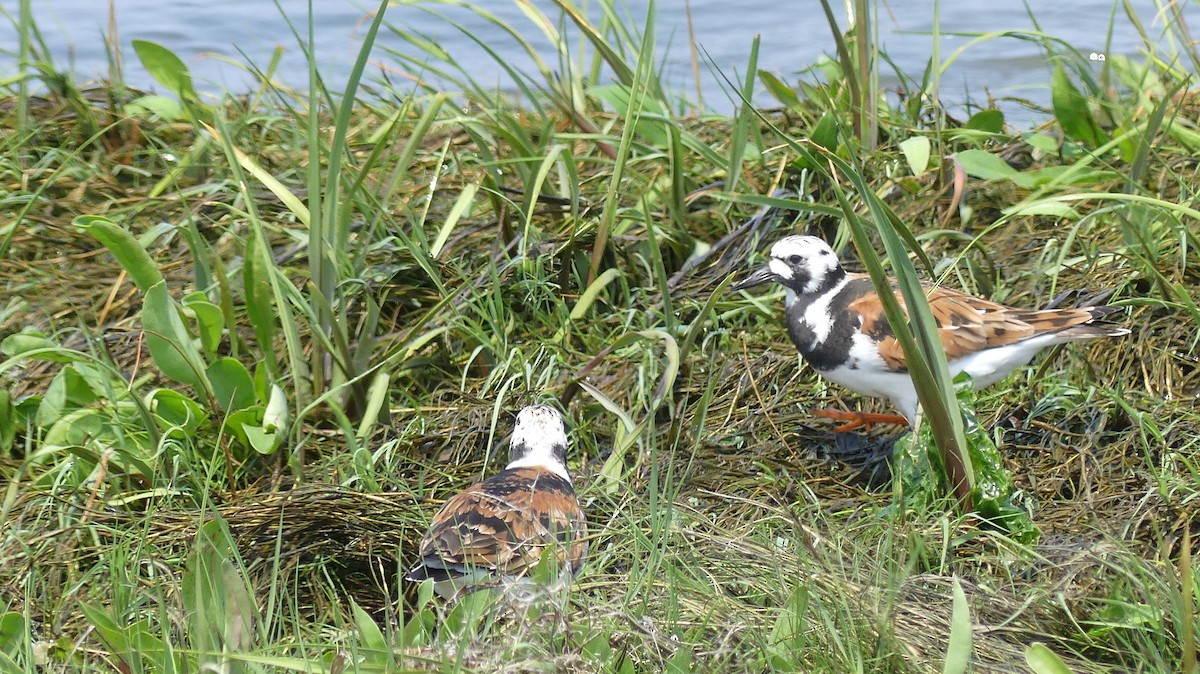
x=759 y=277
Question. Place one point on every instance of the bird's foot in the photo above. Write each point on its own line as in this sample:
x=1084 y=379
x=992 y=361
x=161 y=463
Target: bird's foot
x=863 y=420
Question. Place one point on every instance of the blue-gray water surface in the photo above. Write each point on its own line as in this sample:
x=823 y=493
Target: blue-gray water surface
x=213 y=36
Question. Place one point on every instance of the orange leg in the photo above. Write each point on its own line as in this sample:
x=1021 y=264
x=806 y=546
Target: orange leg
x=864 y=420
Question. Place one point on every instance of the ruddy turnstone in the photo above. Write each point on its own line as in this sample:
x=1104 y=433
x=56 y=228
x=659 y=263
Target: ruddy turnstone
x=837 y=322
x=494 y=532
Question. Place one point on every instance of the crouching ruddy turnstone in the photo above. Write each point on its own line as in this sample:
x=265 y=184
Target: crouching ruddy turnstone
x=837 y=322
x=494 y=532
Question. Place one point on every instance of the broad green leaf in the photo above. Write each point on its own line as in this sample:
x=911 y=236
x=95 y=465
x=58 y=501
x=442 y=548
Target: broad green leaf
x=1071 y=110
x=420 y=628
x=231 y=384
x=88 y=432
x=1070 y=175
x=990 y=121
x=598 y=649
x=1043 y=141
x=133 y=643
x=221 y=613
x=261 y=379
x=782 y=92
x=993 y=493
x=175 y=410
x=39 y=346
x=424 y=595
x=99 y=382
x=68 y=391
x=377 y=398
x=959 y=648
x=825 y=132
x=129 y=253
x=27 y=406
x=1181 y=132
x=13 y=632
x=114 y=635
x=1055 y=209
x=262 y=441
x=237 y=422
x=1126 y=614
x=168 y=340
x=1042 y=660
x=653 y=123
x=8 y=422
x=788 y=633
x=166 y=68
x=680 y=663
x=276 y=415
x=169 y=109
x=916 y=152
x=256 y=292
x=54 y=401
x=466 y=615
x=76 y=428
x=985 y=165
x=210 y=322
x=373 y=644
x=270 y=434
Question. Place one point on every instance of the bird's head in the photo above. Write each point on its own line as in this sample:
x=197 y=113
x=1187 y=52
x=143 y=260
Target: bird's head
x=802 y=264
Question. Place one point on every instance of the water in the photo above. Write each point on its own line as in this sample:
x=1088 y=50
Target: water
x=207 y=34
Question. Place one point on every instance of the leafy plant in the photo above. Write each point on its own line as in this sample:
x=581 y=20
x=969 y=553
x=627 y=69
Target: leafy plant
x=995 y=497
x=87 y=415
x=221 y=606
x=14 y=640
x=1071 y=110
x=134 y=646
x=189 y=356
x=272 y=302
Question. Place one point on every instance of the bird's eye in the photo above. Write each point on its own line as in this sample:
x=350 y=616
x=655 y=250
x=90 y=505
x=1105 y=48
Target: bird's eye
x=795 y=259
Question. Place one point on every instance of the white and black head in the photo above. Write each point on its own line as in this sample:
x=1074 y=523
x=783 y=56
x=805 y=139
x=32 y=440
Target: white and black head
x=539 y=439
x=802 y=264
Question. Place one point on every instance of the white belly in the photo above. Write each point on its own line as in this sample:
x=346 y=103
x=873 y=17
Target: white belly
x=867 y=374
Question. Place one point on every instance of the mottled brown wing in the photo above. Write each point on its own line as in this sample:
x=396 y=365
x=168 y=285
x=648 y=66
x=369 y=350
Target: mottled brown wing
x=966 y=324
x=504 y=523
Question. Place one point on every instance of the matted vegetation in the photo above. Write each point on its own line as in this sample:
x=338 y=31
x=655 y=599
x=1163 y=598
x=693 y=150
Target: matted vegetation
x=250 y=345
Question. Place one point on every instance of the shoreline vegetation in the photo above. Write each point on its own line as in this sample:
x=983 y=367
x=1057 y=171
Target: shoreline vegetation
x=248 y=347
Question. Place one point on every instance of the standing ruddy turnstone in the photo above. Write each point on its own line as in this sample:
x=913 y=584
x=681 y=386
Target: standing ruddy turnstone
x=837 y=322
x=494 y=532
